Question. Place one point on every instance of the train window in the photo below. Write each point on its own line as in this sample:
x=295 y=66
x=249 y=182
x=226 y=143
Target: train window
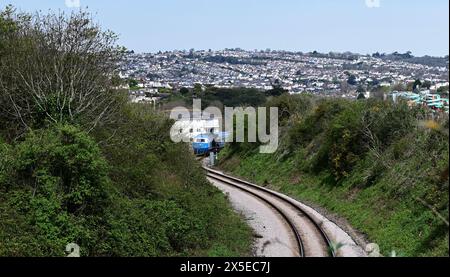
x=191 y=130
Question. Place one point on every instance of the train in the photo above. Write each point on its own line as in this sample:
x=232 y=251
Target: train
x=204 y=144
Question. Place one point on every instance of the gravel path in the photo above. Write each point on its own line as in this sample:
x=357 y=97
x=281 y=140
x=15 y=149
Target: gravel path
x=274 y=238
x=348 y=247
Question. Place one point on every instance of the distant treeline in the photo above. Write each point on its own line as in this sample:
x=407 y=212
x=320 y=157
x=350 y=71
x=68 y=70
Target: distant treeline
x=408 y=57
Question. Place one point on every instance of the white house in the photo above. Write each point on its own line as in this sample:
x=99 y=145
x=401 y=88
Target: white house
x=188 y=129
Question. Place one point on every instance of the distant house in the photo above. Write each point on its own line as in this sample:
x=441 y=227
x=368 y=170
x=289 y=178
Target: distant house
x=424 y=98
x=189 y=129
x=144 y=99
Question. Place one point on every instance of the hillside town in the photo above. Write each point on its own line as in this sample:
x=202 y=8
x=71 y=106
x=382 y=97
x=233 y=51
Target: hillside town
x=345 y=75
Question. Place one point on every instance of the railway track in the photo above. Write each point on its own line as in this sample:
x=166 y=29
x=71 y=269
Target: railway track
x=310 y=238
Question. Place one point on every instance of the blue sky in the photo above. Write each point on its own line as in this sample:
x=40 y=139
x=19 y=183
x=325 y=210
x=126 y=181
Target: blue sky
x=421 y=26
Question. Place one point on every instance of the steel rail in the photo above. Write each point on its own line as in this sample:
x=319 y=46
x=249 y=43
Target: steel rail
x=284 y=199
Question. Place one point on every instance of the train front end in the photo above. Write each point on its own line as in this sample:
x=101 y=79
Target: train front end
x=202 y=145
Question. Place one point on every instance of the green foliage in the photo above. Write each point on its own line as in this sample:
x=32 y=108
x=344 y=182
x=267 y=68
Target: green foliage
x=184 y=91
x=198 y=89
x=315 y=122
x=7 y=24
x=344 y=141
x=417 y=85
x=340 y=132
x=63 y=159
x=352 y=80
x=163 y=205
x=144 y=228
x=4 y=157
x=239 y=97
x=79 y=165
x=443 y=90
x=133 y=84
x=291 y=107
x=368 y=161
x=56 y=185
x=139 y=197
x=277 y=90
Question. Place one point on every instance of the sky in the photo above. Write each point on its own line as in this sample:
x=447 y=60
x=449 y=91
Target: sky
x=360 y=26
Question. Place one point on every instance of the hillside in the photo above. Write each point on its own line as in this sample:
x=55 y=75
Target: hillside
x=381 y=166
x=78 y=164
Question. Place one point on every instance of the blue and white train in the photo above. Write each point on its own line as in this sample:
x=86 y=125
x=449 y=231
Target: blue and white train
x=205 y=143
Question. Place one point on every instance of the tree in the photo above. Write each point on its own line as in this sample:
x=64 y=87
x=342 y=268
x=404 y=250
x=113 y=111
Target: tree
x=442 y=90
x=361 y=89
x=410 y=86
x=277 y=89
x=198 y=88
x=361 y=96
x=417 y=85
x=373 y=84
x=132 y=83
x=184 y=91
x=56 y=68
x=352 y=80
x=427 y=84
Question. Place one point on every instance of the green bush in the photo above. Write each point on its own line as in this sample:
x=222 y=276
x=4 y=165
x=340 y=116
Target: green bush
x=4 y=157
x=338 y=133
x=149 y=228
x=373 y=162
x=291 y=107
x=344 y=140
x=80 y=165
x=63 y=159
x=314 y=123
x=232 y=97
x=163 y=205
x=146 y=198
x=55 y=185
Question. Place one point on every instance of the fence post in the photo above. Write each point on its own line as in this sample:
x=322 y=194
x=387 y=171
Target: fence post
x=212 y=159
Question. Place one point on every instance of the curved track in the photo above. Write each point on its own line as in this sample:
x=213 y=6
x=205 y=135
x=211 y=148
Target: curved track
x=311 y=239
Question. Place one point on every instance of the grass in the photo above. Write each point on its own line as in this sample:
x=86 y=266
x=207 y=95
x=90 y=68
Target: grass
x=405 y=227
